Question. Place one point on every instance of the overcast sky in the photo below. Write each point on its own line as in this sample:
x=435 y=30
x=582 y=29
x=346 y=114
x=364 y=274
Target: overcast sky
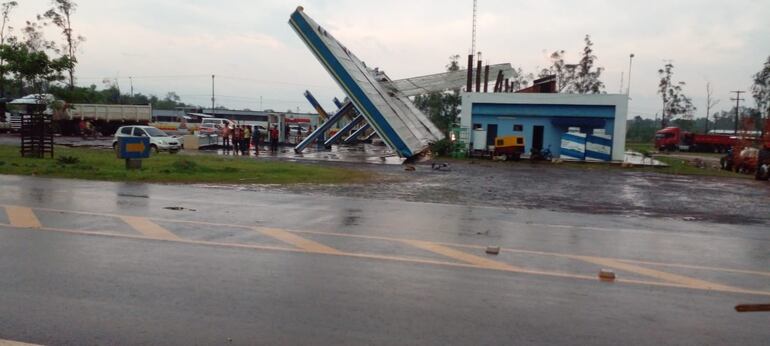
x=175 y=45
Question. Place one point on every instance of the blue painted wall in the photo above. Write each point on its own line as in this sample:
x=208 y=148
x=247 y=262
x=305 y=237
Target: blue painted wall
x=529 y=116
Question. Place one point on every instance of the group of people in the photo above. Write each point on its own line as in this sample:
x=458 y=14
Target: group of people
x=241 y=138
x=87 y=129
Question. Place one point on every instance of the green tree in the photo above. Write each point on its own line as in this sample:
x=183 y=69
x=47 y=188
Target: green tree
x=586 y=79
x=580 y=78
x=565 y=73
x=641 y=130
x=33 y=69
x=5 y=30
x=761 y=88
x=61 y=16
x=675 y=102
x=442 y=107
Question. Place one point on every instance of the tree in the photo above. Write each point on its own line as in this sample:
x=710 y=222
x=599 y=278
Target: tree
x=710 y=103
x=520 y=80
x=442 y=107
x=33 y=69
x=581 y=78
x=761 y=89
x=586 y=79
x=61 y=16
x=34 y=39
x=675 y=102
x=5 y=29
x=565 y=74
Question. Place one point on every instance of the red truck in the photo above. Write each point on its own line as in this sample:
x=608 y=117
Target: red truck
x=763 y=161
x=673 y=138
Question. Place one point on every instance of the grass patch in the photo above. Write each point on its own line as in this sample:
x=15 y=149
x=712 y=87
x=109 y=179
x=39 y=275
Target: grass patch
x=96 y=164
x=683 y=167
x=640 y=147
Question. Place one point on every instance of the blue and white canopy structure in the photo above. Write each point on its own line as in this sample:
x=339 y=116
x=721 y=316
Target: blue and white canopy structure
x=384 y=106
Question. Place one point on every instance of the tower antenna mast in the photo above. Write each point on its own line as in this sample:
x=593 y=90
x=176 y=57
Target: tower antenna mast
x=473 y=41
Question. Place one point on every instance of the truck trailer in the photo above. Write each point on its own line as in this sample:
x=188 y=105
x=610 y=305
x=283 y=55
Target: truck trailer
x=105 y=118
x=674 y=139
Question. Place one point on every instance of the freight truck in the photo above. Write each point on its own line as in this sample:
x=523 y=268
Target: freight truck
x=673 y=138
x=106 y=119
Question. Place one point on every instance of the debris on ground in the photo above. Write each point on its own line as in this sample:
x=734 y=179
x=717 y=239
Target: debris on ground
x=493 y=250
x=178 y=209
x=607 y=275
x=440 y=166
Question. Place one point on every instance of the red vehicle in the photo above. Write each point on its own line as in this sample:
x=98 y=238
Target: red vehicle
x=673 y=138
x=763 y=161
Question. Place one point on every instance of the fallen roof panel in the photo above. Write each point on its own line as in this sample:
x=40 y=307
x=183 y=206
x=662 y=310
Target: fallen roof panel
x=444 y=81
x=390 y=112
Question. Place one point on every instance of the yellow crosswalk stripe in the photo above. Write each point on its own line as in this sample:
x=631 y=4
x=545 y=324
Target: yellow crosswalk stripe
x=299 y=242
x=460 y=255
x=149 y=228
x=22 y=217
x=15 y=343
x=657 y=274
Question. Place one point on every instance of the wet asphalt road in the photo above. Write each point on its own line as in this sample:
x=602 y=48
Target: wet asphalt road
x=112 y=263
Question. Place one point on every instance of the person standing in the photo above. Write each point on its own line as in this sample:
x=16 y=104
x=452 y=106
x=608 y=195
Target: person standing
x=237 y=137
x=226 y=136
x=255 y=140
x=274 y=139
x=246 y=140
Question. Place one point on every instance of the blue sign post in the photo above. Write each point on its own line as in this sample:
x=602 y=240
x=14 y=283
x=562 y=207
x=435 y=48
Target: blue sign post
x=133 y=150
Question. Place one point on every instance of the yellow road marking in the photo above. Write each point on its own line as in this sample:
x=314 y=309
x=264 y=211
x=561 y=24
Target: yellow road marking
x=673 y=278
x=15 y=343
x=149 y=228
x=467 y=246
x=403 y=260
x=690 y=266
x=299 y=242
x=22 y=217
x=461 y=256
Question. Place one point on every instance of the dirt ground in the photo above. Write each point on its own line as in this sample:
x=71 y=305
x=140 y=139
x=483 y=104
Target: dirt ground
x=559 y=188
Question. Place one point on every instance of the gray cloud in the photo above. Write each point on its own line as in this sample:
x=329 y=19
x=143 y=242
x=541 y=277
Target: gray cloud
x=176 y=45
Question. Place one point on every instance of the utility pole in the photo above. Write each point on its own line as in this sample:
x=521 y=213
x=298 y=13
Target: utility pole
x=737 y=100
x=260 y=104
x=131 y=82
x=213 y=110
x=622 y=74
x=710 y=103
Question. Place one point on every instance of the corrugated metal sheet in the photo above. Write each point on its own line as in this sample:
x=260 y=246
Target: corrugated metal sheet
x=444 y=81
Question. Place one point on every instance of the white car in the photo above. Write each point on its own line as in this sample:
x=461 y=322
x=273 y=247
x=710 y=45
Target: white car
x=159 y=140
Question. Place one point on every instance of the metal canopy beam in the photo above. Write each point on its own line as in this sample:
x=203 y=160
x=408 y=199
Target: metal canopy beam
x=356 y=134
x=345 y=129
x=347 y=109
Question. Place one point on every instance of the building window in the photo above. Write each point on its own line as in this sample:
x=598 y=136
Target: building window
x=518 y=128
x=476 y=126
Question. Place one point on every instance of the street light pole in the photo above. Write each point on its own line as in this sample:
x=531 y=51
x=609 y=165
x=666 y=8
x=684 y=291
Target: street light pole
x=213 y=110
x=630 y=65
